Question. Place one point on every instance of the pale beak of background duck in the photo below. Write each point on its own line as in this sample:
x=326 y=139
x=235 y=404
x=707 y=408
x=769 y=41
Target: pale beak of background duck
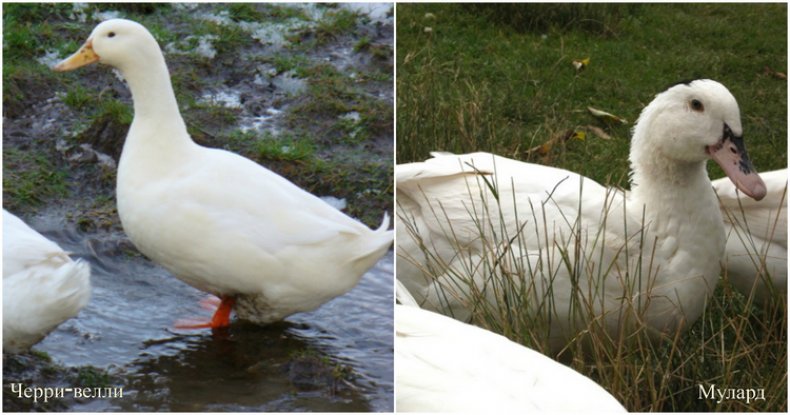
x=84 y=56
x=730 y=154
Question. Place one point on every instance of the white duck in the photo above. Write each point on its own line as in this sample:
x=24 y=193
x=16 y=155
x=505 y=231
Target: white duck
x=444 y=365
x=577 y=249
x=42 y=286
x=756 y=254
x=216 y=220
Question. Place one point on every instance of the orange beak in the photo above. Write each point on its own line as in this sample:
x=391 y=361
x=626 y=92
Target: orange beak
x=84 y=56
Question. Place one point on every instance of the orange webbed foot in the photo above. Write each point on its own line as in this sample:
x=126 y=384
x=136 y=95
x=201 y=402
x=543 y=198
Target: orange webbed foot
x=221 y=318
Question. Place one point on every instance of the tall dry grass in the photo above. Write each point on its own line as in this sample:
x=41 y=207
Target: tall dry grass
x=736 y=345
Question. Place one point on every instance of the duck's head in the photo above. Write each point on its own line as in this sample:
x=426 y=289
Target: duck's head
x=117 y=42
x=694 y=121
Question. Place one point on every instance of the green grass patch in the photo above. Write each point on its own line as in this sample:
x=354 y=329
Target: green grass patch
x=229 y=38
x=466 y=83
x=79 y=98
x=27 y=32
x=335 y=23
x=30 y=179
x=244 y=12
x=280 y=12
x=285 y=148
x=89 y=376
x=297 y=63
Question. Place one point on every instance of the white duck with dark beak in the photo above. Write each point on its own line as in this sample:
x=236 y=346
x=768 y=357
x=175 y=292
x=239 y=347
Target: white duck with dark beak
x=571 y=242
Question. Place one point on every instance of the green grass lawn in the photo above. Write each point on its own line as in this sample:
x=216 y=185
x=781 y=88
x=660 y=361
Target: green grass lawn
x=500 y=78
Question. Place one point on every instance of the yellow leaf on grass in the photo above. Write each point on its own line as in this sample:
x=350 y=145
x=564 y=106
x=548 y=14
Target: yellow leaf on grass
x=605 y=116
x=581 y=64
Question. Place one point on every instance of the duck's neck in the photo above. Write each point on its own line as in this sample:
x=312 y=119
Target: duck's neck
x=660 y=184
x=155 y=106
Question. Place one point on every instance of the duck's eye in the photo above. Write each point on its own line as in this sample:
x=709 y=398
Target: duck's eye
x=696 y=105
x=111 y=34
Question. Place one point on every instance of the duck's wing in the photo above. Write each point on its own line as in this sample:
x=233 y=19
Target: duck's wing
x=465 y=189
x=452 y=209
x=233 y=198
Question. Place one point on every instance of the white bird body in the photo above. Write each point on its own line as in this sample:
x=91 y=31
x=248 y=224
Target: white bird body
x=216 y=220
x=444 y=365
x=568 y=241
x=756 y=254
x=42 y=286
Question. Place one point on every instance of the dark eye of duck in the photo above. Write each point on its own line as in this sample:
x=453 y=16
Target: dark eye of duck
x=111 y=34
x=696 y=105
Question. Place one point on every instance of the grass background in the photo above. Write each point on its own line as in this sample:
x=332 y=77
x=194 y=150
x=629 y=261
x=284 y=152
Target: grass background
x=326 y=154
x=499 y=78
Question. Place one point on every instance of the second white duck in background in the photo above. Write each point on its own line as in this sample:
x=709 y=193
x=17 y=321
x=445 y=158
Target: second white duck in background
x=755 y=260
x=216 y=220
x=42 y=286
x=444 y=365
x=578 y=250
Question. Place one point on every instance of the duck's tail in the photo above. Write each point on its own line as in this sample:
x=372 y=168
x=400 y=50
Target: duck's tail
x=37 y=300
x=71 y=288
x=375 y=245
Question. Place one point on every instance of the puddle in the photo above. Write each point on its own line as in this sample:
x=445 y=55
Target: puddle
x=127 y=329
x=225 y=97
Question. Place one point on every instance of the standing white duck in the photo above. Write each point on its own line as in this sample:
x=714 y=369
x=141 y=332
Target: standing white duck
x=755 y=259
x=42 y=286
x=216 y=220
x=444 y=365
x=574 y=248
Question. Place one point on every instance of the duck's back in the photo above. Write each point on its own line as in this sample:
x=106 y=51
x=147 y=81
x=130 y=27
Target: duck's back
x=226 y=225
x=447 y=366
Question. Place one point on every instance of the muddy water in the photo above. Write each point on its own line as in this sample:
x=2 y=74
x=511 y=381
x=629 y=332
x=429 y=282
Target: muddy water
x=127 y=328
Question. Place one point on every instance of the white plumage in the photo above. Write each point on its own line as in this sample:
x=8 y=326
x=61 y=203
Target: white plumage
x=578 y=249
x=216 y=220
x=42 y=286
x=756 y=255
x=444 y=365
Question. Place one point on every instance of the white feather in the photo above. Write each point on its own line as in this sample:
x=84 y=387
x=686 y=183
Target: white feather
x=42 y=286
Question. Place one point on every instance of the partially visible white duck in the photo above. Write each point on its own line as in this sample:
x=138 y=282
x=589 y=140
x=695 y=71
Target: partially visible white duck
x=756 y=254
x=42 y=286
x=444 y=365
x=578 y=249
x=216 y=220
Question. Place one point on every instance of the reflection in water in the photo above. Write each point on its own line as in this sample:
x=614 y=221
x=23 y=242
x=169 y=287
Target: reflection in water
x=337 y=358
x=245 y=367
